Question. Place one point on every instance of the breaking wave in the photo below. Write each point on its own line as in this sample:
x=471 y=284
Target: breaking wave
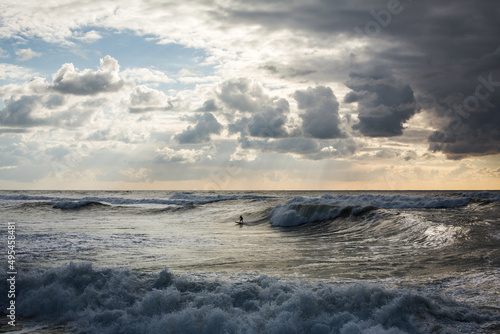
x=298 y=214
x=92 y=300
x=303 y=209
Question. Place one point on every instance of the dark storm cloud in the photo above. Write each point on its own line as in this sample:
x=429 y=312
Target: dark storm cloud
x=321 y=117
x=448 y=52
x=383 y=104
x=206 y=125
x=312 y=16
x=469 y=133
x=436 y=50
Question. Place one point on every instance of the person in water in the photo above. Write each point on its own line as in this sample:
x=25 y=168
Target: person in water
x=241 y=219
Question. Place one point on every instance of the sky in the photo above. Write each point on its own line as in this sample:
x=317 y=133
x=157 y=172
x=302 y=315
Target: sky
x=257 y=95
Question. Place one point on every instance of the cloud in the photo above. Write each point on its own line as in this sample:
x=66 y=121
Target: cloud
x=271 y=121
x=469 y=127
x=14 y=72
x=208 y=105
x=70 y=100
x=33 y=104
x=144 y=99
x=89 y=37
x=321 y=117
x=427 y=59
x=69 y=80
x=27 y=54
x=18 y=112
x=266 y=115
x=384 y=104
x=169 y=155
x=243 y=95
x=305 y=148
x=206 y=125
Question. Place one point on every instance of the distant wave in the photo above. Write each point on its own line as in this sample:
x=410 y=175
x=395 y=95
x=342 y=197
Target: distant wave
x=177 y=199
x=304 y=209
x=114 y=301
x=483 y=195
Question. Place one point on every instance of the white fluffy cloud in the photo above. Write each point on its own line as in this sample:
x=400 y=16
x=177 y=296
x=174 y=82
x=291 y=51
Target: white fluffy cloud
x=144 y=99
x=89 y=37
x=87 y=82
x=14 y=73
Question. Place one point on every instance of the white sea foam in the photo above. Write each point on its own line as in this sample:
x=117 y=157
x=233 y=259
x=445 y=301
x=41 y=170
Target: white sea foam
x=117 y=301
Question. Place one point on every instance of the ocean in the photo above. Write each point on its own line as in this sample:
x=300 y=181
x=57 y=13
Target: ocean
x=301 y=262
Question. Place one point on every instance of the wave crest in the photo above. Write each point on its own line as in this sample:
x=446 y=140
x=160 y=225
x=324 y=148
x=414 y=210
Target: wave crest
x=303 y=209
x=298 y=214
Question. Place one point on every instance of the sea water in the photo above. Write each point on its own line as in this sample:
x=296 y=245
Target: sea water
x=302 y=262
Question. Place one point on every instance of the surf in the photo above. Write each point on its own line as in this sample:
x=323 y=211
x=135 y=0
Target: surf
x=111 y=300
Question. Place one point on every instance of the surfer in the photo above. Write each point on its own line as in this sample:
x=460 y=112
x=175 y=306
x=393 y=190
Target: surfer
x=241 y=219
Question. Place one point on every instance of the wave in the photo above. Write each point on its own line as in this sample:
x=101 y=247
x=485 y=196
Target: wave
x=70 y=205
x=305 y=209
x=116 y=301
x=286 y=215
x=484 y=195
x=383 y=201
x=178 y=199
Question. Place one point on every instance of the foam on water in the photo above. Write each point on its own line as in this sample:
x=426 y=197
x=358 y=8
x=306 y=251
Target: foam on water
x=123 y=301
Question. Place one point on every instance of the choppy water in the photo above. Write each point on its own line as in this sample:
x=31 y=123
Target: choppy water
x=302 y=262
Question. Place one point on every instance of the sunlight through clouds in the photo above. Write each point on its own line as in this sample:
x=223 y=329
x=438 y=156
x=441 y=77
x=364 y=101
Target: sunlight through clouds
x=282 y=89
